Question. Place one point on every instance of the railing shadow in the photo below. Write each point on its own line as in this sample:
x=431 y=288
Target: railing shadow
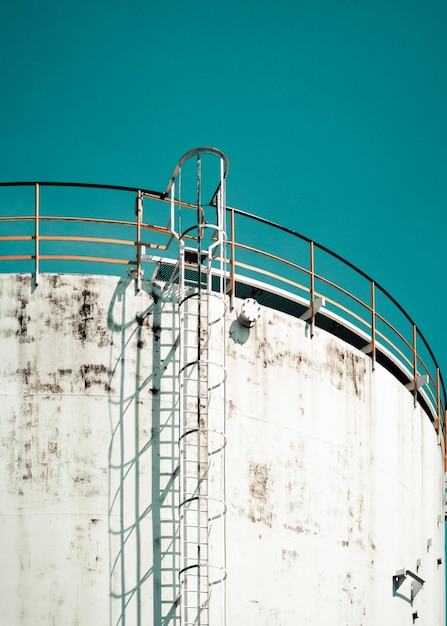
x=143 y=461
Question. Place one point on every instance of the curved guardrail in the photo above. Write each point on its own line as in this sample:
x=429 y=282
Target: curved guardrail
x=82 y=228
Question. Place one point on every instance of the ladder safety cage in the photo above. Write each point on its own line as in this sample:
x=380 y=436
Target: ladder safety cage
x=201 y=275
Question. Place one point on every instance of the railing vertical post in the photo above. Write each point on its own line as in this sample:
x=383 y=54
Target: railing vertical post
x=36 y=234
x=232 y=261
x=415 y=366
x=438 y=400
x=139 y=211
x=373 y=325
x=312 y=288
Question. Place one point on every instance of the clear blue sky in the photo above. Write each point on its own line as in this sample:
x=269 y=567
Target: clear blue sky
x=333 y=115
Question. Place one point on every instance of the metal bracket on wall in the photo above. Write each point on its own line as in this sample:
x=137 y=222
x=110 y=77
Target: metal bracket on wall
x=313 y=309
x=416 y=584
x=420 y=382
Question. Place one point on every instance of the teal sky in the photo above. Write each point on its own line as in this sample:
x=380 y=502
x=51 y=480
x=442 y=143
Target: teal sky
x=332 y=113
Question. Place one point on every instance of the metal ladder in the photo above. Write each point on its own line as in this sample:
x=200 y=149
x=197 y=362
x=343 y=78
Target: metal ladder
x=165 y=524
x=202 y=286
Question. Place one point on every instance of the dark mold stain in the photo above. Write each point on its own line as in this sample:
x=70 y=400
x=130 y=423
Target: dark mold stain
x=347 y=370
x=30 y=375
x=144 y=320
x=260 y=511
x=25 y=372
x=60 y=309
x=89 y=319
x=80 y=479
x=23 y=318
x=85 y=315
x=93 y=374
x=67 y=372
x=52 y=447
x=289 y=556
x=278 y=354
x=48 y=387
x=104 y=339
x=259 y=475
x=29 y=473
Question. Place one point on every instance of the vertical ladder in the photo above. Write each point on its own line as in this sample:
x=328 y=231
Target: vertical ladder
x=202 y=282
x=165 y=521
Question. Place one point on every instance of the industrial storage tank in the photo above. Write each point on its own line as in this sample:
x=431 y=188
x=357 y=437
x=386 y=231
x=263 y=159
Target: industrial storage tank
x=241 y=428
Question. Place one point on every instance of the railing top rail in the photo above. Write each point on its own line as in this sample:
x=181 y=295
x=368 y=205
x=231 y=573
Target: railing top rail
x=348 y=264
x=151 y=192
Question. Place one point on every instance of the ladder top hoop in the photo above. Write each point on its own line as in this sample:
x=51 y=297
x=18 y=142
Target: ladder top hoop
x=194 y=152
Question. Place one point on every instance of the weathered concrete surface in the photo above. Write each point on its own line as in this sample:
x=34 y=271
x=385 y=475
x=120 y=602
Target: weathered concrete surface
x=334 y=481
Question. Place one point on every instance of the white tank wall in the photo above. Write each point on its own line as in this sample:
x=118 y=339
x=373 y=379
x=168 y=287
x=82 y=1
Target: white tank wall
x=69 y=387
x=334 y=479
x=335 y=483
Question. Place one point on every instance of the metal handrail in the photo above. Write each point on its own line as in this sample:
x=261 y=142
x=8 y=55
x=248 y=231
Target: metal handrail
x=412 y=361
x=347 y=264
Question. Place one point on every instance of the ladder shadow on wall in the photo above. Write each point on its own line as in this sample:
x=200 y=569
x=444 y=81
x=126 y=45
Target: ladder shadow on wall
x=143 y=461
